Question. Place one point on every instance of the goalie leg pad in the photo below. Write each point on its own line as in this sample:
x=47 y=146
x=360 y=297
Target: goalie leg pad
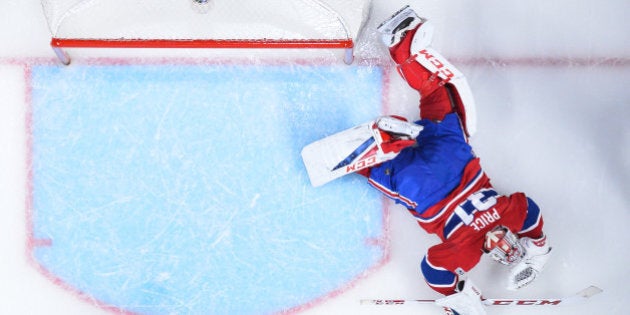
x=467 y=301
x=394 y=28
x=435 y=63
x=426 y=70
x=423 y=36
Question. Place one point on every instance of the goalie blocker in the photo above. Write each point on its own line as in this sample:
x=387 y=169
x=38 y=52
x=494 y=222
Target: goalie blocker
x=357 y=148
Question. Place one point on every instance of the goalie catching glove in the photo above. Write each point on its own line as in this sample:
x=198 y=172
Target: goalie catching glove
x=527 y=256
x=537 y=252
x=394 y=133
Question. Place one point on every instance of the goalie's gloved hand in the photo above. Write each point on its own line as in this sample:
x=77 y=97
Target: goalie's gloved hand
x=396 y=145
x=398 y=127
x=537 y=252
x=394 y=133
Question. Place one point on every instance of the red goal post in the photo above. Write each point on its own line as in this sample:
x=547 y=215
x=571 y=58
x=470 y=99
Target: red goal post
x=331 y=24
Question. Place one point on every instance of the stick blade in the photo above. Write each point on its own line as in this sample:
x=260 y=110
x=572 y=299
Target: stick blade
x=590 y=291
x=582 y=296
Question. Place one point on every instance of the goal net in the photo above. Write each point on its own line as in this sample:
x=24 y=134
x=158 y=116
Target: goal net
x=204 y=24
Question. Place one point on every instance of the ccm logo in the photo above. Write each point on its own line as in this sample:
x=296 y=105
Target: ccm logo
x=361 y=164
x=526 y=302
x=389 y=302
x=442 y=70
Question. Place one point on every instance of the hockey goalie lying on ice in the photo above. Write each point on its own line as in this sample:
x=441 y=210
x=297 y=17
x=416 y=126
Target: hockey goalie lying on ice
x=430 y=168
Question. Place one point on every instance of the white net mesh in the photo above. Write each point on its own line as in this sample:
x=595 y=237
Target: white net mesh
x=224 y=19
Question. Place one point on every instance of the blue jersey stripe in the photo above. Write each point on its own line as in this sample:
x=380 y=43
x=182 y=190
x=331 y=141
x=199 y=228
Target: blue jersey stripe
x=435 y=276
x=533 y=216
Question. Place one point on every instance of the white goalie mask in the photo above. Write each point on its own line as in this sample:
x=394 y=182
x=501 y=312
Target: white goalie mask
x=503 y=246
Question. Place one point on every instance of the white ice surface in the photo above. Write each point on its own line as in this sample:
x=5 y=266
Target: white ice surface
x=550 y=79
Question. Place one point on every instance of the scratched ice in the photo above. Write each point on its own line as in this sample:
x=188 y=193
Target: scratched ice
x=180 y=189
x=550 y=81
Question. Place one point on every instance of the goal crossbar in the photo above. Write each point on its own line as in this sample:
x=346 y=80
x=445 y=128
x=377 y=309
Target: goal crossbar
x=288 y=24
x=59 y=43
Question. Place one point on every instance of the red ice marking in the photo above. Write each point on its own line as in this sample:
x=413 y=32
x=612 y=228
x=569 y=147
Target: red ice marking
x=82 y=296
x=550 y=61
x=28 y=122
x=41 y=242
x=385 y=91
x=531 y=61
x=377 y=242
x=31 y=241
x=383 y=242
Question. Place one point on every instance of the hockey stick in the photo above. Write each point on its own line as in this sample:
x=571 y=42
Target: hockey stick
x=579 y=297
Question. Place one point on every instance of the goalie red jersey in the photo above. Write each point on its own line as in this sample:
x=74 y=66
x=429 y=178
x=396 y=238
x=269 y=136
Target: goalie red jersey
x=443 y=186
x=439 y=179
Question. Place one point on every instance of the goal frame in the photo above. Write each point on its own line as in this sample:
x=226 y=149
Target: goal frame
x=58 y=44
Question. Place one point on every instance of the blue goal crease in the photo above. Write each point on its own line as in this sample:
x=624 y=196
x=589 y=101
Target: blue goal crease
x=181 y=188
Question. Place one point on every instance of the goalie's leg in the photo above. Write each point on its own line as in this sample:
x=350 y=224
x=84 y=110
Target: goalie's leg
x=443 y=88
x=393 y=29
